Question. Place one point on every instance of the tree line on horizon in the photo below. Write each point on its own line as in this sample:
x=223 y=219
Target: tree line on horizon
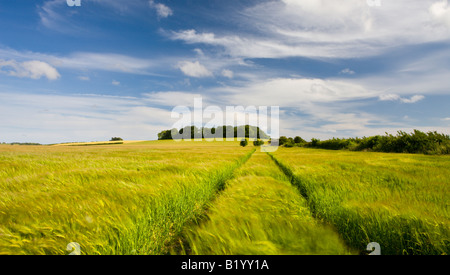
x=431 y=143
x=192 y=132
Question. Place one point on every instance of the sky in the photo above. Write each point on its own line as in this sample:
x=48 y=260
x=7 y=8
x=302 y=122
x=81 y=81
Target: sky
x=90 y=70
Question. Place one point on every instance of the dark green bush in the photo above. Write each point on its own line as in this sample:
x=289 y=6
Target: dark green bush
x=415 y=142
x=289 y=144
x=258 y=142
x=282 y=140
x=298 y=140
x=244 y=142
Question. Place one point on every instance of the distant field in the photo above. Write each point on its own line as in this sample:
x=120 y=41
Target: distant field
x=160 y=197
x=98 y=143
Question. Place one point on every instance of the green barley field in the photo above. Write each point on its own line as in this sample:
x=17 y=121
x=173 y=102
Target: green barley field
x=218 y=198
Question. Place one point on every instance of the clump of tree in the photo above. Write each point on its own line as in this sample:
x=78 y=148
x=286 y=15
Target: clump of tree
x=331 y=144
x=258 y=142
x=415 y=142
x=244 y=142
x=166 y=134
x=290 y=142
x=299 y=140
x=116 y=139
x=193 y=132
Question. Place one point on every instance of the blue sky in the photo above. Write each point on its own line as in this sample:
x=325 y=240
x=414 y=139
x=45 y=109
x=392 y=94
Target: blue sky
x=118 y=68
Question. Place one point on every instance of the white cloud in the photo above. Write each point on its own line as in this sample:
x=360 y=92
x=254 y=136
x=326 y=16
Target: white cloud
x=162 y=10
x=84 y=78
x=104 y=61
x=328 y=28
x=394 y=97
x=171 y=98
x=327 y=102
x=115 y=83
x=34 y=69
x=227 y=73
x=54 y=118
x=242 y=46
x=313 y=107
x=92 y=61
x=440 y=11
x=389 y=97
x=293 y=92
x=347 y=71
x=413 y=99
x=194 y=69
x=199 y=52
x=426 y=74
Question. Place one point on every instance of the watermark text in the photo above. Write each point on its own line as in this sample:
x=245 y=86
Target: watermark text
x=73 y=3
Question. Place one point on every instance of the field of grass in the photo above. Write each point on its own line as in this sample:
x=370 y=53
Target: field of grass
x=168 y=197
x=118 y=199
x=260 y=213
x=397 y=200
x=98 y=143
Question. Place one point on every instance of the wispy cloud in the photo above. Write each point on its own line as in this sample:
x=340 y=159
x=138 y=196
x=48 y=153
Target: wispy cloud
x=394 y=97
x=112 y=62
x=171 y=98
x=413 y=99
x=347 y=71
x=162 y=10
x=33 y=69
x=227 y=73
x=105 y=61
x=274 y=29
x=56 y=16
